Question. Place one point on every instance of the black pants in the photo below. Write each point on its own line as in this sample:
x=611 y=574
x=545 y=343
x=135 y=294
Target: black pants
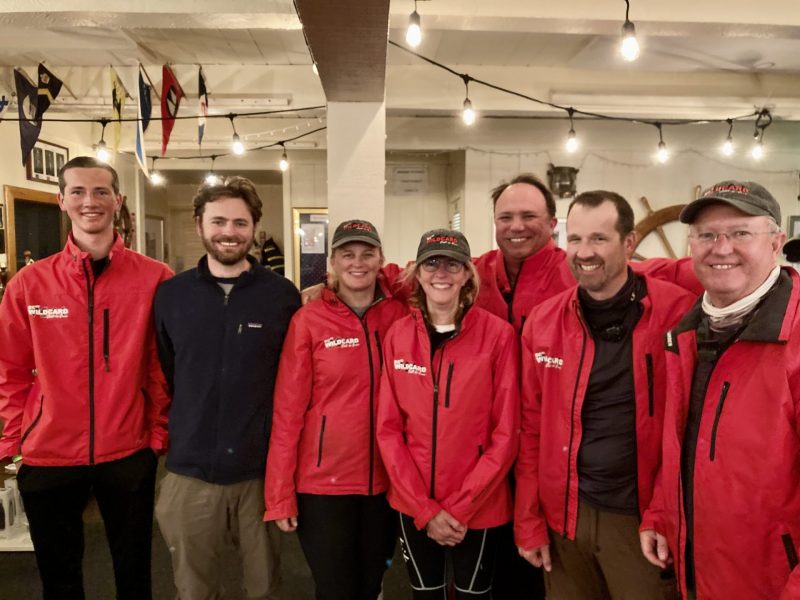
x=472 y=562
x=348 y=542
x=55 y=498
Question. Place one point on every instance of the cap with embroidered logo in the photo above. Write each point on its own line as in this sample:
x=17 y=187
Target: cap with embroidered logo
x=443 y=242
x=747 y=196
x=355 y=230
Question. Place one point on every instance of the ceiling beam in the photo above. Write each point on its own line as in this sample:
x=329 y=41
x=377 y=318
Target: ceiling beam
x=347 y=40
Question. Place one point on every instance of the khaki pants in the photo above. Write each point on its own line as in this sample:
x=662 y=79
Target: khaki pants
x=604 y=562
x=198 y=519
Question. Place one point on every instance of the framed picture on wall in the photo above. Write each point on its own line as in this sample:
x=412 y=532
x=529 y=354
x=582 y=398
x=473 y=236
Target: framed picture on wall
x=45 y=162
x=310 y=227
x=793 y=226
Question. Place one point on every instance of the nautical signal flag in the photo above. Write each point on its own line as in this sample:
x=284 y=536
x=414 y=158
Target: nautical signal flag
x=118 y=94
x=171 y=94
x=32 y=102
x=49 y=87
x=144 y=106
x=202 y=109
x=29 y=124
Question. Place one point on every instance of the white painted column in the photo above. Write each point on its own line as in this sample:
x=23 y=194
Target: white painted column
x=477 y=215
x=356 y=162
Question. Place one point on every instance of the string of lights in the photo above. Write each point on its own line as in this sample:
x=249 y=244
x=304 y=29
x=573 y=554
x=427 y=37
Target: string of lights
x=156 y=178
x=763 y=116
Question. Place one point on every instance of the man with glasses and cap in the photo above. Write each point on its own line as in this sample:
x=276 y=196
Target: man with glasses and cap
x=727 y=507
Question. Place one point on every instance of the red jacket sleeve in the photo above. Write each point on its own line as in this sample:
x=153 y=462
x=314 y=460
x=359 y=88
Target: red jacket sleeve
x=530 y=526
x=492 y=468
x=292 y=398
x=405 y=479
x=678 y=271
x=157 y=394
x=16 y=365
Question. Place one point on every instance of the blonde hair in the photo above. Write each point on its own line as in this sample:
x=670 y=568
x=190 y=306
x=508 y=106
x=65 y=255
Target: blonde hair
x=417 y=299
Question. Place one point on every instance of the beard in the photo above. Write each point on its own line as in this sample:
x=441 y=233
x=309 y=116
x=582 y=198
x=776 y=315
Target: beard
x=227 y=256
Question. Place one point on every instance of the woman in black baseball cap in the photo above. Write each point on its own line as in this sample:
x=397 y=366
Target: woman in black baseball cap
x=447 y=422
x=325 y=477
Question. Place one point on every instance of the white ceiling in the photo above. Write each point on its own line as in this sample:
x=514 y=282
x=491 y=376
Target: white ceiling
x=700 y=59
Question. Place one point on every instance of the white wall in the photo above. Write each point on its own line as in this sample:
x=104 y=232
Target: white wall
x=613 y=156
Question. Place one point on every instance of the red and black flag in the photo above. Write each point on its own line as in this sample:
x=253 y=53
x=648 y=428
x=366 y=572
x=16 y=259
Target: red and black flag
x=171 y=94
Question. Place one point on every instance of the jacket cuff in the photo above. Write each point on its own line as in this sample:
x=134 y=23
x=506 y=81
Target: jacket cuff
x=531 y=534
x=9 y=447
x=430 y=510
x=284 y=510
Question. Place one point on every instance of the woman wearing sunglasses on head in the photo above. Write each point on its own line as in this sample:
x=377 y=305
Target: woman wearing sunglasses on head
x=447 y=423
x=324 y=474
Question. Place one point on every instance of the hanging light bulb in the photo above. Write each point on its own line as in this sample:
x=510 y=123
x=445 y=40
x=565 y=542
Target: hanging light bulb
x=284 y=163
x=629 y=48
x=468 y=114
x=211 y=177
x=101 y=150
x=727 y=147
x=763 y=120
x=414 y=32
x=571 y=145
x=757 y=151
x=662 y=155
x=237 y=146
x=156 y=178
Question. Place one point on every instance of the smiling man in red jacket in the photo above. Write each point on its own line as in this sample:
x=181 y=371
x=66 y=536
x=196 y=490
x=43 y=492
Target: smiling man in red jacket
x=82 y=395
x=592 y=412
x=727 y=508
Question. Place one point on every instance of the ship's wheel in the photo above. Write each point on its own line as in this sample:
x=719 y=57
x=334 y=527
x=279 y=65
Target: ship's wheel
x=656 y=224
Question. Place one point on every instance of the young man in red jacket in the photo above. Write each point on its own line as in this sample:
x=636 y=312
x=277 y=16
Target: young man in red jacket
x=727 y=508
x=82 y=396
x=593 y=406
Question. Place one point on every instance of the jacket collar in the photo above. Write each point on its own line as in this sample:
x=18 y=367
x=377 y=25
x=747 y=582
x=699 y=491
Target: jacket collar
x=466 y=321
x=772 y=320
x=333 y=301
x=531 y=264
x=245 y=278
x=77 y=257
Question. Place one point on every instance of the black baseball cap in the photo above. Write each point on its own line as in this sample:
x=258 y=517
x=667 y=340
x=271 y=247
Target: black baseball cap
x=747 y=196
x=443 y=242
x=355 y=230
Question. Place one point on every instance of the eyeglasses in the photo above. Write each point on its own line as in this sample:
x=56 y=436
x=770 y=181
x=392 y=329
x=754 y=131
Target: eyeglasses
x=739 y=237
x=451 y=266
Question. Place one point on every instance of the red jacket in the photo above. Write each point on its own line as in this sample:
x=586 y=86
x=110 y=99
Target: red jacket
x=542 y=276
x=557 y=357
x=746 y=500
x=323 y=424
x=448 y=426
x=87 y=346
